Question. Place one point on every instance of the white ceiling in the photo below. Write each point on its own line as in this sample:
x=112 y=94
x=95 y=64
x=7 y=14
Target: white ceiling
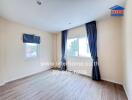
x=56 y=15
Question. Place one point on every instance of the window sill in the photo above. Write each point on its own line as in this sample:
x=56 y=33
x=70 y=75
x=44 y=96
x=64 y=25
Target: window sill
x=78 y=57
x=31 y=58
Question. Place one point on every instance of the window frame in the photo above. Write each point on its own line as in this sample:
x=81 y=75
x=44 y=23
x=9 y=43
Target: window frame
x=78 y=55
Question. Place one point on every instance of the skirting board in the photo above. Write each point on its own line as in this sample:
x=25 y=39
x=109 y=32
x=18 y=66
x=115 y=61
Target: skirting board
x=103 y=79
x=113 y=81
x=3 y=83
x=126 y=92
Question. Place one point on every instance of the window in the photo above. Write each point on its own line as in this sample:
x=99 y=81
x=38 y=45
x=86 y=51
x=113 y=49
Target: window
x=78 y=47
x=31 y=50
x=72 y=47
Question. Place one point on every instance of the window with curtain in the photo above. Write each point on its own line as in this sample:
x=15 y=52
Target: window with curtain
x=31 y=43
x=77 y=46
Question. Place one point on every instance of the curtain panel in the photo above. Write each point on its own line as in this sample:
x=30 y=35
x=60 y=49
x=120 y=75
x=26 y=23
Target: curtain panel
x=63 y=49
x=28 y=38
x=92 y=38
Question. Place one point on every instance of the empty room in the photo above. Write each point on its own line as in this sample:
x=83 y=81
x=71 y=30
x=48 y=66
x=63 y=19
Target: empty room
x=65 y=50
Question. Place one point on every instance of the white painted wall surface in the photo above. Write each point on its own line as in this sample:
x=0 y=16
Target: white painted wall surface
x=127 y=83
x=13 y=64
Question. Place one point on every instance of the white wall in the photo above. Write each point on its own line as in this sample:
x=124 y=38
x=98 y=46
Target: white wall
x=54 y=44
x=128 y=49
x=2 y=56
x=109 y=50
x=13 y=64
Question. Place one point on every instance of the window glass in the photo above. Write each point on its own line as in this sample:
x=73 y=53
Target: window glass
x=72 y=47
x=78 y=47
x=83 y=47
x=31 y=50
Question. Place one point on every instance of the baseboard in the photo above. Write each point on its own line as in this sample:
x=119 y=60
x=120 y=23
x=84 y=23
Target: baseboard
x=104 y=79
x=126 y=92
x=113 y=81
x=2 y=83
x=19 y=78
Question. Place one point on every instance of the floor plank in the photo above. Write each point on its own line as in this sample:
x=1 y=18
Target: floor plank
x=60 y=85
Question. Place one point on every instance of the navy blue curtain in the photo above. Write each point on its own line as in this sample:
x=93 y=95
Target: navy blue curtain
x=92 y=38
x=28 y=38
x=63 y=49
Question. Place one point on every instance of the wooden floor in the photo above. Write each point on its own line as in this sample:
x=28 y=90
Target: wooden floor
x=59 y=85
